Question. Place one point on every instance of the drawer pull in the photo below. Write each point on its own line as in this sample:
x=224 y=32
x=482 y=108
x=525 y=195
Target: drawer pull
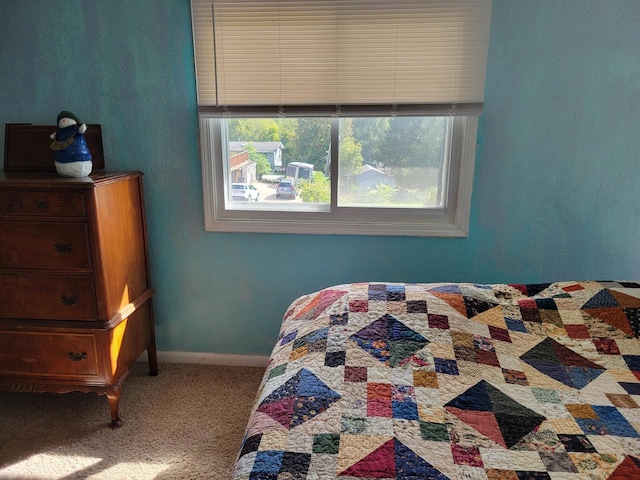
x=63 y=248
x=69 y=301
x=77 y=356
x=42 y=205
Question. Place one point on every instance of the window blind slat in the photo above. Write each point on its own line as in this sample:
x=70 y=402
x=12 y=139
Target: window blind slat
x=364 y=110
x=351 y=52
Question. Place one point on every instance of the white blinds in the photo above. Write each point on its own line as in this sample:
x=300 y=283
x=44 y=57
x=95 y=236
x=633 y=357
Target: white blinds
x=403 y=54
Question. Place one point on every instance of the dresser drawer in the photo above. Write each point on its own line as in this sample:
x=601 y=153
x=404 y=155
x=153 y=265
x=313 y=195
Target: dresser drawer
x=47 y=297
x=48 y=354
x=37 y=203
x=49 y=245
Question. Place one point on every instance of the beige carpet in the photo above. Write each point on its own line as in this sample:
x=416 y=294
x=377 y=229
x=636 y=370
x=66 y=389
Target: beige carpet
x=186 y=423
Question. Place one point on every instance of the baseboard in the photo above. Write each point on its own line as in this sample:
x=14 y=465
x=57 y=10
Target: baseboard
x=209 y=359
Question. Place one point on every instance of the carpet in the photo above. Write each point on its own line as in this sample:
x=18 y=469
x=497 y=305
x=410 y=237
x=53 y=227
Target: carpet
x=186 y=423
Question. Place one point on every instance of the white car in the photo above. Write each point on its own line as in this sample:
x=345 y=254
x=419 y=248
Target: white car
x=245 y=192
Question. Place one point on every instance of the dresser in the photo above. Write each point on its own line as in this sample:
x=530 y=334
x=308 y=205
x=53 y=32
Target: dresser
x=75 y=293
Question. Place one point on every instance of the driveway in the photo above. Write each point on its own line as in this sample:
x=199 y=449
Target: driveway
x=268 y=193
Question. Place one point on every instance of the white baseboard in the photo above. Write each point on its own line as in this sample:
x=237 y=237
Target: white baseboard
x=209 y=359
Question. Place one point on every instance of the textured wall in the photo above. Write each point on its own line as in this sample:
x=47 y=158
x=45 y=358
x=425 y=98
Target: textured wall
x=557 y=178
x=558 y=182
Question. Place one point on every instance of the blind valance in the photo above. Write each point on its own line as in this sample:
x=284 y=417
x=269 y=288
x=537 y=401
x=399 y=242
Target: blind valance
x=275 y=54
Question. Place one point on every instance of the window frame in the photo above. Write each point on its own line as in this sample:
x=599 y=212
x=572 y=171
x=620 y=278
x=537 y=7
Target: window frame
x=450 y=221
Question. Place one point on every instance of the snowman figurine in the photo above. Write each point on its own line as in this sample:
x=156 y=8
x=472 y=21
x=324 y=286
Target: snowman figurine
x=71 y=154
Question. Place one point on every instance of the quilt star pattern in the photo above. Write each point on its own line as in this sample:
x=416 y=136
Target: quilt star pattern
x=451 y=381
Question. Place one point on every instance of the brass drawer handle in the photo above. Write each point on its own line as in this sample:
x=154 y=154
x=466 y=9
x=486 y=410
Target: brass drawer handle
x=42 y=205
x=69 y=301
x=63 y=248
x=77 y=356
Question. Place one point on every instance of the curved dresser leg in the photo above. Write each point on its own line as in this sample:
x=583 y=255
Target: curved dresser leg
x=113 y=396
x=153 y=360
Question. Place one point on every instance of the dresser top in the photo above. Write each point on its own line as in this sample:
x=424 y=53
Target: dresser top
x=53 y=180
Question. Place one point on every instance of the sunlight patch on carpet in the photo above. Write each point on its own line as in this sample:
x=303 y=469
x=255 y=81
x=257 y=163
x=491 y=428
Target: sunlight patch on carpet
x=48 y=466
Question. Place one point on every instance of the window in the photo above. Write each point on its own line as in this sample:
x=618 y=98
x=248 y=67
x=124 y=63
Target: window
x=347 y=116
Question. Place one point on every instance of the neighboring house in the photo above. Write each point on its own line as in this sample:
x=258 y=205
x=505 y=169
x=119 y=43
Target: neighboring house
x=370 y=177
x=271 y=150
x=243 y=170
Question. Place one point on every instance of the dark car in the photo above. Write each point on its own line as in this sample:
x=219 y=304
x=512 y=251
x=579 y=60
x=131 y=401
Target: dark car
x=286 y=188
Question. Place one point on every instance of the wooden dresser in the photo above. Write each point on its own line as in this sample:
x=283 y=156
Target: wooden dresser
x=75 y=294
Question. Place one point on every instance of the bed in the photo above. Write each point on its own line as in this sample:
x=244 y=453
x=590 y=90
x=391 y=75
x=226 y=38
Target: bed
x=451 y=380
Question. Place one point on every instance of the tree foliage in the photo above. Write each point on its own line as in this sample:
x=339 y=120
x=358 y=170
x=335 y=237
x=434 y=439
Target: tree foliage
x=350 y=151
x=369 y=132
x=318 y=190
x=409 y=147
x=412 y=142
x=382 y=194
x=311 y=143
x=263 y=166
x=256 y=130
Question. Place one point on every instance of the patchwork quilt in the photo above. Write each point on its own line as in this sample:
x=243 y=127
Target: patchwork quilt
x=451 y=380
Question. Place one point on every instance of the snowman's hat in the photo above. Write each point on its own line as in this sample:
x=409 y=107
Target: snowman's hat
x=67 y=114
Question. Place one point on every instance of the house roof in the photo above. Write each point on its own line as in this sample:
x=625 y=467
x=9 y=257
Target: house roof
x=369 y=173
x=366 y=168
x=259 y=146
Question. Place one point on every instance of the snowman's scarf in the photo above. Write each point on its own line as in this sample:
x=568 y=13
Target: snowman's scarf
x=62 y=144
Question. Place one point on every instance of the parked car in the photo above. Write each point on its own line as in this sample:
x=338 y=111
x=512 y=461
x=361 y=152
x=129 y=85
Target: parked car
x=244 y=191
x=286 y=188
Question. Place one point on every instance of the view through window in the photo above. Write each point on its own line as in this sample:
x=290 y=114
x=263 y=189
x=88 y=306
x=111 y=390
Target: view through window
x=383 y=162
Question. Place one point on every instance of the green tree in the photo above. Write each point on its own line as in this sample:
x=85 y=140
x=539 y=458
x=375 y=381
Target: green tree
x=350 y=153
x=413 y=147
x=413 y=142
x=318 y=190
x=263 y=166
x=254 y=130
x=370 y=132
x=382 y=194
x=310 y=144
x=400 y=148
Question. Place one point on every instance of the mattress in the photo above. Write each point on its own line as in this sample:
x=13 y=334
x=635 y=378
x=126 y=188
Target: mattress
x=451 y=380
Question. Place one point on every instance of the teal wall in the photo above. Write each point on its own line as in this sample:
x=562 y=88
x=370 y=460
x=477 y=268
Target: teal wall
x=557 y=184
